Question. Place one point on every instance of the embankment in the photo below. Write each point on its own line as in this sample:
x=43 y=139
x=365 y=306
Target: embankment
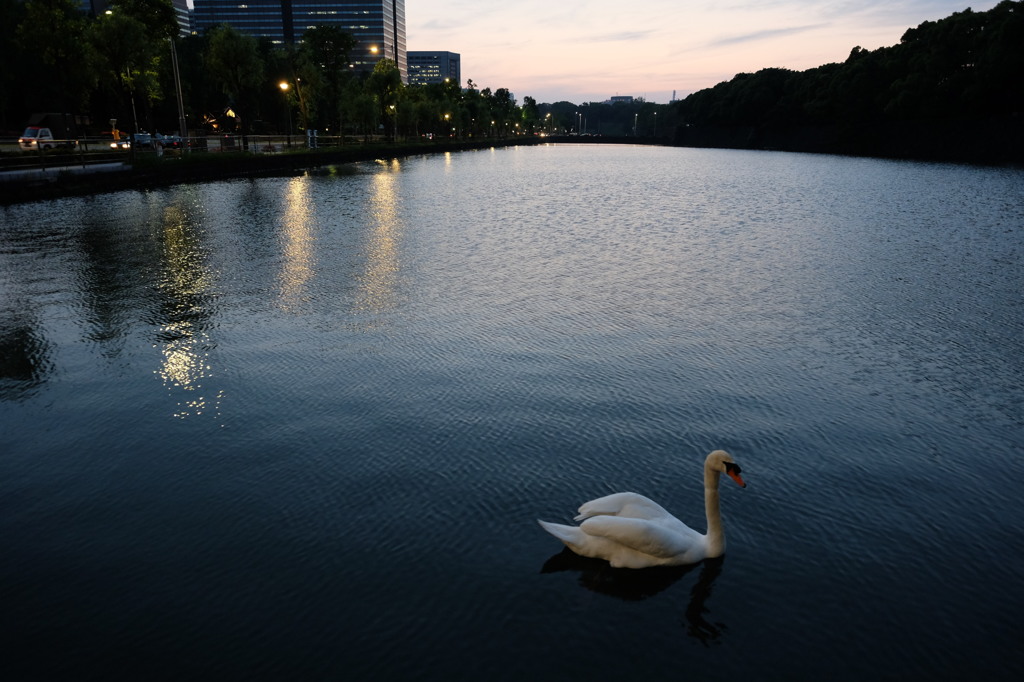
x=207 y=166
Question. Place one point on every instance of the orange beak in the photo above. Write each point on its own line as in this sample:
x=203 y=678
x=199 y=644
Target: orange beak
x=736 y=477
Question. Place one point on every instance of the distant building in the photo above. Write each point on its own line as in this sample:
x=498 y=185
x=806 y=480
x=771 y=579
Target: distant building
x=379 y=27
x=181 y=10
x=620 y=99
x=434 y=67
x=93 y=7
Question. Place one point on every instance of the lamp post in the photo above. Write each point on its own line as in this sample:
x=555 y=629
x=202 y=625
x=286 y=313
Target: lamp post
x=284 y=89
x=182 y=125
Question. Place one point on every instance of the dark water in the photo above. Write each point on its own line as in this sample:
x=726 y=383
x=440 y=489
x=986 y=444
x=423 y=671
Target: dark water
x=301 y=428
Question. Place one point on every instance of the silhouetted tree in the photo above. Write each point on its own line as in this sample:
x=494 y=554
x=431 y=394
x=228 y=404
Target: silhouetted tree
x=325 y=50
x=233 y=60
x=385 y=84
x=62 y=64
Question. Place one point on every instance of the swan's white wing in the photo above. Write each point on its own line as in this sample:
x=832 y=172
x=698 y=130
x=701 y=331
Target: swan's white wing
x=630 y=505
x=642 y=535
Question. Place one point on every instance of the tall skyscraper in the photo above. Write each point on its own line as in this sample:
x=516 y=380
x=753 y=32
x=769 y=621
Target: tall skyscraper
x=183 y=15
x=434 y=67
x=379 y=27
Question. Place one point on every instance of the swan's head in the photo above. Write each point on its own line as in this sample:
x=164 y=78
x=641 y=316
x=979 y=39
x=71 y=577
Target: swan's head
x=722 y=462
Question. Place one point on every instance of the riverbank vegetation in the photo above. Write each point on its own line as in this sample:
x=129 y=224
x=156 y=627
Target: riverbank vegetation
x=120 y=66
x=950 y=89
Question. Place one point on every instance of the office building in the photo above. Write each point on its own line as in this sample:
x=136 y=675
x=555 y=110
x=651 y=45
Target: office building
x=434 y=67
x=379 y=27
x=184 y=16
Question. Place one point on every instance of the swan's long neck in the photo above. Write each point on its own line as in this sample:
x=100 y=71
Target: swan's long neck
x=716 y=535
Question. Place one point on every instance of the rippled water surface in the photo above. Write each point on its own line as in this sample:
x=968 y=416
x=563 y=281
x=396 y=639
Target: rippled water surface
x=301 y=428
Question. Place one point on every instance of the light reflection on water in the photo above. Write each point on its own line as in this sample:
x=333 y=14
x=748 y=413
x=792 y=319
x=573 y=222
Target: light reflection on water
x=186 y=287
x=378 y=282
x=298 y=265
x=306 y=424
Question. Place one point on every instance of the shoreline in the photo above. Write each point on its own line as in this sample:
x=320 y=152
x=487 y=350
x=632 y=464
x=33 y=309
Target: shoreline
x=77 y=179
x=86 y=180
x=205 y=166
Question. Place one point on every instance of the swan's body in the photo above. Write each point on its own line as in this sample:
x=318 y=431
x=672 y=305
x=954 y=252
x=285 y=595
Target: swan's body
x=631 y=531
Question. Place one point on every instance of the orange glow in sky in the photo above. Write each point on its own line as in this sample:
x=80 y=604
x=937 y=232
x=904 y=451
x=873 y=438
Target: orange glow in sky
x=589 y=50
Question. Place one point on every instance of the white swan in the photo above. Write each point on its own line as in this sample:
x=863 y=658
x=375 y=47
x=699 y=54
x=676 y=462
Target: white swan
x=632 y=531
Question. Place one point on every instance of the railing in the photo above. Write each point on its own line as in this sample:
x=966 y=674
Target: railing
x=69 y=154
x=95 y=154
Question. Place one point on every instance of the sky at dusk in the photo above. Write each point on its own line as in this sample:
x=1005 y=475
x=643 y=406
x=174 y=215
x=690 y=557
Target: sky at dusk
x=590 y=50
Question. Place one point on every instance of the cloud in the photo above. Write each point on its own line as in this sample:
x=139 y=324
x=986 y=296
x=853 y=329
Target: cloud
x=765 y=35
x=619 y=37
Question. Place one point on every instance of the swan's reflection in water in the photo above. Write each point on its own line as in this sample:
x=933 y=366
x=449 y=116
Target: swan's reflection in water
x=697 y=626
x=633 y=585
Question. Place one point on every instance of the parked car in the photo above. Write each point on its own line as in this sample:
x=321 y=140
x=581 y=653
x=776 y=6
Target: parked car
x=168 y=141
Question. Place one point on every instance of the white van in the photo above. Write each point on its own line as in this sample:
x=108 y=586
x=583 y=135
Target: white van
x=36 y=137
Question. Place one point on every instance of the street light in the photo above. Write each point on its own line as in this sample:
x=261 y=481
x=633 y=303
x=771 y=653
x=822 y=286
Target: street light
x=284 y=89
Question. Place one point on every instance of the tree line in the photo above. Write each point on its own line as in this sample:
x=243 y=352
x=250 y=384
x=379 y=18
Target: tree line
x=119 y=65
x=943 y=78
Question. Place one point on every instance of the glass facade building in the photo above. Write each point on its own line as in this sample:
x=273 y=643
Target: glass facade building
x=379 y=27
x=434 y=67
